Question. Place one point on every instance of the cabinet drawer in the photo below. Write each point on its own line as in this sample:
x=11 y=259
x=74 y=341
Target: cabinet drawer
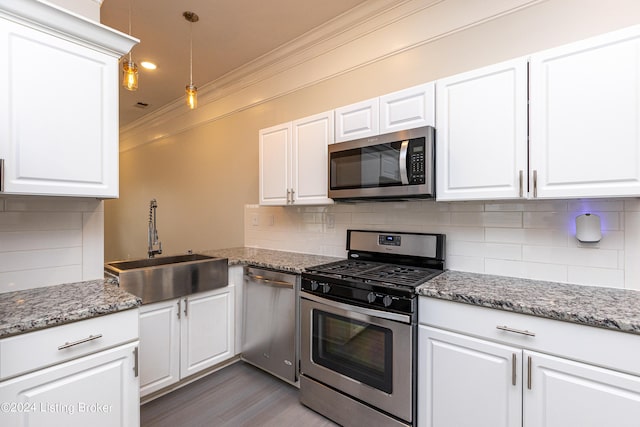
x=35 y=350
x=603 y=347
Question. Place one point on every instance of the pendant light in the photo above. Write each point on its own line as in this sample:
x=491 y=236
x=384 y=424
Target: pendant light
x=129 y=68
x=191 y=90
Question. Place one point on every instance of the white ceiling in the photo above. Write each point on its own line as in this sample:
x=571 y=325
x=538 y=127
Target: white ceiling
x=230 y=33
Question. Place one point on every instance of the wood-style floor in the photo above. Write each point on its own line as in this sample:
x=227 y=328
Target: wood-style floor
x=239 y=395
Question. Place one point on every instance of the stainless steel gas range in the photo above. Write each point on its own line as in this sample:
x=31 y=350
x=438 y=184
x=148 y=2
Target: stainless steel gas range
x=358 y=322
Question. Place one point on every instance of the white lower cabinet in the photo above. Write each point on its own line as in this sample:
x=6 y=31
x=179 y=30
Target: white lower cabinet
x=96 y=390
x=183 y=336
x=82 y=380
x=483 y=367
x=568 y=393
x=467 y=381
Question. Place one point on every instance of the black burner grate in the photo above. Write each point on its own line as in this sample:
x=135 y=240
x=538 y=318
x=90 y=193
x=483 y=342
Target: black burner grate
x=379 y=272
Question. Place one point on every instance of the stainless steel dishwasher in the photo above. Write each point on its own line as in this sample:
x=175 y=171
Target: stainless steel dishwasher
x=270 y=322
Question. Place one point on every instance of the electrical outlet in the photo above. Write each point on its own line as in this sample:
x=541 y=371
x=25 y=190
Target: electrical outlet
x=269 y=220
x=331 y=220
x=255 y=220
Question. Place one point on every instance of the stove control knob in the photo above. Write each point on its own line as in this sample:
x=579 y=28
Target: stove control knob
x=326 y=287
x=371 y=297
x=387 y=300
x=314 y=285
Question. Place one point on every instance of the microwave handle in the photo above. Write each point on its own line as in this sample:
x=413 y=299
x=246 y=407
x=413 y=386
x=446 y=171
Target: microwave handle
x=403 y=162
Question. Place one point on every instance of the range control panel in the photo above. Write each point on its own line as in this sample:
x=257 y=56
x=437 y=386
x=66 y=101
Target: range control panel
x=389 y=240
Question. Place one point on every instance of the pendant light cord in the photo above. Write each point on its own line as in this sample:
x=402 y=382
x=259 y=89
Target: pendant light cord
x=191 y=54
x=130 y=7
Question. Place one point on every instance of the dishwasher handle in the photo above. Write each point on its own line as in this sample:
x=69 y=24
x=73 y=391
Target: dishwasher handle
x=270 y=282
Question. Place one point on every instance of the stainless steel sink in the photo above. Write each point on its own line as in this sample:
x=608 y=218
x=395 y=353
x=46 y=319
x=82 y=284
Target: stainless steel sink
x=163 y=278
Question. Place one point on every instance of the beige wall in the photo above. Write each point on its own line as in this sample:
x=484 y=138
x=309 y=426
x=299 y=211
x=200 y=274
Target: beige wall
x=203 y=177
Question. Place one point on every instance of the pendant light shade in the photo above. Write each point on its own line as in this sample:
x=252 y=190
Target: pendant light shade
x=129 y=68
x=129 y=75
x=191 y=90
x=192 y=96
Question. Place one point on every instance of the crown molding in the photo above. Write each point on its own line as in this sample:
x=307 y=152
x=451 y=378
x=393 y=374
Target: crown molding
x=368 y=33
x=60 y=22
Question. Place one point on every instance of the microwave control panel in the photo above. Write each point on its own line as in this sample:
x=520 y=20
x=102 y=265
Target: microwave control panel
x=416 y=166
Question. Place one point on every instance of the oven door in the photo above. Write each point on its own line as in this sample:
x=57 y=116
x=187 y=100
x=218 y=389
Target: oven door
x=359 y=351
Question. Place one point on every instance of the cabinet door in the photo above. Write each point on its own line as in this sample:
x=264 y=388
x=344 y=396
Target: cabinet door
x=96 y=390
x=567 y=393
x=481 y=133
x=275 y=148
x=159 y=345
x=311 y=136
x=357 y=120
x=58 y=115
x=408 y=108
x=207 y=330
x=467 y=382
x=585 y=115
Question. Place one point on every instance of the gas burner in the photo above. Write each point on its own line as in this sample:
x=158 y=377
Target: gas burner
x=369 y=272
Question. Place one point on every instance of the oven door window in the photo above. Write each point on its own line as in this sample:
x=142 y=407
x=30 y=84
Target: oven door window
x=352 y=348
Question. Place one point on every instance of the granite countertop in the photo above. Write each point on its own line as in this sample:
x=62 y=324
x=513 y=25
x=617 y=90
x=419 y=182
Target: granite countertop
x=269 y=258
x=616 y=309
x=39 y=308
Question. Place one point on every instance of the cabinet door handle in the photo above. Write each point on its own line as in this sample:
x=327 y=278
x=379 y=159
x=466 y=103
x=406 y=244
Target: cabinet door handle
x=535 y=183
x=135 y=362
x=83 y=340
x=514 y=377
x=516 y=331
x=178 y=313
x=292 y=195
x=529 y=372
x=521 y=181
x=186 y=306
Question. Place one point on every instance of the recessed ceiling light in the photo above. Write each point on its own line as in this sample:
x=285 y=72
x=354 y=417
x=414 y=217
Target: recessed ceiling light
x=148 y=65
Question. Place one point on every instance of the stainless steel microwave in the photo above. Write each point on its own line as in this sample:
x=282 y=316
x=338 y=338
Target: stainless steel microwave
x=399 y=165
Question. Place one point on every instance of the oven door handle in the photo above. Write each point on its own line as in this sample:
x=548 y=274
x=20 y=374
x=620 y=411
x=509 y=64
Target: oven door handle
x=404 y=318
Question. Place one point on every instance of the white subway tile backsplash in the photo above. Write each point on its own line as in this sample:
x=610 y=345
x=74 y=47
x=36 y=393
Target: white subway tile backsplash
x=29 y=279
x=46 y=258
x=50 y=240
x=558 y=220
x=527 y=270
x=526 y=236
x=530 y=239
x=29 y=240
x=596 y=276
x=595 y=205
x=472 y=264
x=29 y=221
x=603 y=258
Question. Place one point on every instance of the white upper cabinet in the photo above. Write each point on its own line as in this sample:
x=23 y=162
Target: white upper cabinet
x=275 y=159
x=357 y=120
x=310 y=180
x=481 y=133
x=408 y=108
x=59 y=109
x=293 y=161
x=585 y=118
x=405 y=109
